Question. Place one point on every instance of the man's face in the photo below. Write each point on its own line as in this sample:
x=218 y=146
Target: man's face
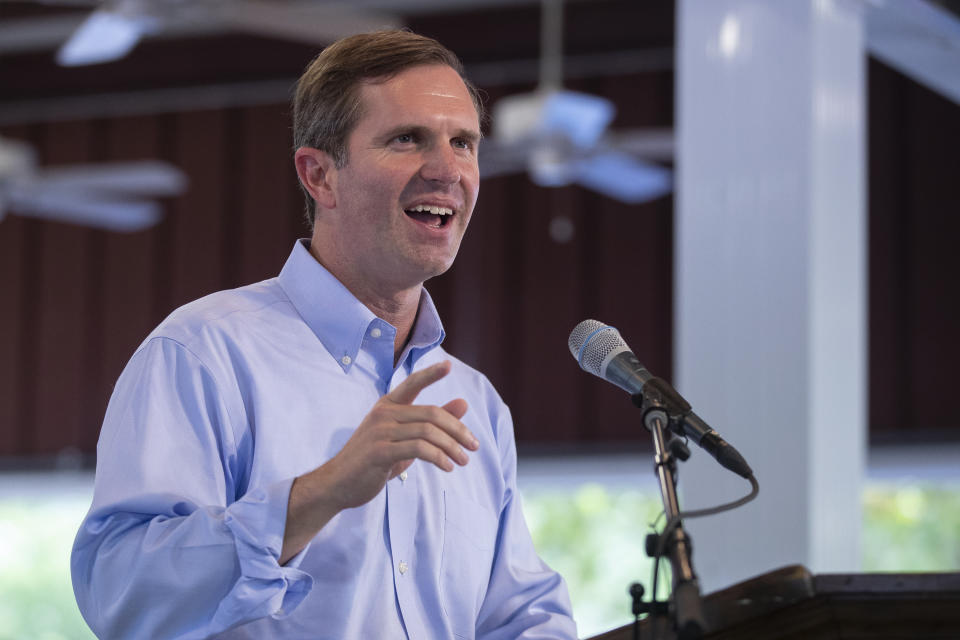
x=406 y=194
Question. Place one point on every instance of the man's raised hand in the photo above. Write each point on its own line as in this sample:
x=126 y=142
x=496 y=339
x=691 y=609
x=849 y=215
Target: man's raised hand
x=396 y=432
x=392 y=435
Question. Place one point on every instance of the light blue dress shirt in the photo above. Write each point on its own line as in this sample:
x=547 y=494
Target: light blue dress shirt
x=228 y=400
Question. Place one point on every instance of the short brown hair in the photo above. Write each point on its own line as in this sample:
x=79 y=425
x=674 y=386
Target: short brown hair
x=326 y=105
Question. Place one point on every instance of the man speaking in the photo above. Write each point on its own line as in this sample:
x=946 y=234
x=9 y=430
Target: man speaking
x=300 y=458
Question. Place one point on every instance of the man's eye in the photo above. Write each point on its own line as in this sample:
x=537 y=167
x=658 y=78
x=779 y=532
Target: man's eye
x=404 y=138
x=462 y=143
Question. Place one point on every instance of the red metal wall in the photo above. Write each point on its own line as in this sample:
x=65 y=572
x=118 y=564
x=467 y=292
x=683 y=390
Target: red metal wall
x=78 y=301
x=75 y=302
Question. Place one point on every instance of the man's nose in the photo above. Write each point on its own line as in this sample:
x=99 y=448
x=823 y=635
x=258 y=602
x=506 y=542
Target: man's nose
x=441 y=165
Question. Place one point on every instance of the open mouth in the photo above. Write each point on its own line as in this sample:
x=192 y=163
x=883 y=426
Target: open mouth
x=431 y=216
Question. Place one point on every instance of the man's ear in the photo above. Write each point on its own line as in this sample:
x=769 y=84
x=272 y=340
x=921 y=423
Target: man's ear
x=318 y=175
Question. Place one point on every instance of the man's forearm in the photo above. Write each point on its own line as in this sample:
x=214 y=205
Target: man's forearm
x=309 y=509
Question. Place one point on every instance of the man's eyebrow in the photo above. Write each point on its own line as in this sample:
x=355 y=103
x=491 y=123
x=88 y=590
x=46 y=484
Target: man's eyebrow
x=471 y=135
x=415 y=129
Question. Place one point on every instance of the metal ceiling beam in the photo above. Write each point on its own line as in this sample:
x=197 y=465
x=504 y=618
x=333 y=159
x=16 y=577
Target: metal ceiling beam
x=45 y=33
x=919 y=39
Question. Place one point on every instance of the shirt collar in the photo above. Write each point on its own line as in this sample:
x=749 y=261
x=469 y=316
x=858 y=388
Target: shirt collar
x=427 y=331
x=338 y=319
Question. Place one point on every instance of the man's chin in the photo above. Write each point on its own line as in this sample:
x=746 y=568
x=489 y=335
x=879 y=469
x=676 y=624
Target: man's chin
x=411 y=275
x=438 y=272
x=425 y=267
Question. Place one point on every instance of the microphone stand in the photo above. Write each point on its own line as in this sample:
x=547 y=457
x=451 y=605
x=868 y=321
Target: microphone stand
x=674 y=542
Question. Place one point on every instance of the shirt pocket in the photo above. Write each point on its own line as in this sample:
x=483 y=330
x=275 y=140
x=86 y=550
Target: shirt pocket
x=469 y=542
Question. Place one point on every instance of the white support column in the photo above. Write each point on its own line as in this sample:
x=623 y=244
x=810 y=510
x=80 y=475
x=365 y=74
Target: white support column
x=771 y=276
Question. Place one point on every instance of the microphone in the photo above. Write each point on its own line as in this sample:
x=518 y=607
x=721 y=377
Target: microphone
x=599 y=349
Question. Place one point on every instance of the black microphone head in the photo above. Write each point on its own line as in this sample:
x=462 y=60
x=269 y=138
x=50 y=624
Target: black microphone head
x=592 y=342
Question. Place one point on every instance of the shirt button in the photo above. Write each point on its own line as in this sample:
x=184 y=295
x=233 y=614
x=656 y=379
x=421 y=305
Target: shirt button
x=375 y=332
x=403 y=476
x=346 y=360
x=402 y=567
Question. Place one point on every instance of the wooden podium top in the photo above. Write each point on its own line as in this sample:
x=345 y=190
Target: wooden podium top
x=790 y=603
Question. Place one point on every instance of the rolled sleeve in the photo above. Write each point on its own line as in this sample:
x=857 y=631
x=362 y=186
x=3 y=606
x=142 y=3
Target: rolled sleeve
x=166 y=549
x=264 y=587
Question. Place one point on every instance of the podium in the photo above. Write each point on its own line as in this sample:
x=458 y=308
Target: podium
x=792 y=604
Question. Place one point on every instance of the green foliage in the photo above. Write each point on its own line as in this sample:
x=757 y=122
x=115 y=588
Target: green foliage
x=911 y=527
x=593 y=535
x=36 y=596
x=595 y=538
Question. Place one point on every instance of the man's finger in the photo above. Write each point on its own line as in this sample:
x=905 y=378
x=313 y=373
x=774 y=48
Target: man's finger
x=441 y=417
x=408 y=390
x=457 y=408
x=428 y=432
x=423 y=450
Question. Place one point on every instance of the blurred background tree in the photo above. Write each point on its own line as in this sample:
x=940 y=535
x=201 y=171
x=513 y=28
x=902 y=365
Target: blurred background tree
x=592 y=534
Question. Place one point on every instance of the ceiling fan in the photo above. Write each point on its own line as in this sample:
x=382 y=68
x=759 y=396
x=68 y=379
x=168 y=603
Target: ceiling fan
x=106 y=195
x=562 y=137
x=114 y=27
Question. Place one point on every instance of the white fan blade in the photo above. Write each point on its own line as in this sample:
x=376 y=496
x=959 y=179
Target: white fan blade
x=143 y=177
x=551 y=166
x=580 y=117
x=104 y=36
x=111 y=215
x=498 y=159
x=652 y=143
x=623 y=177
x=16 y=159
